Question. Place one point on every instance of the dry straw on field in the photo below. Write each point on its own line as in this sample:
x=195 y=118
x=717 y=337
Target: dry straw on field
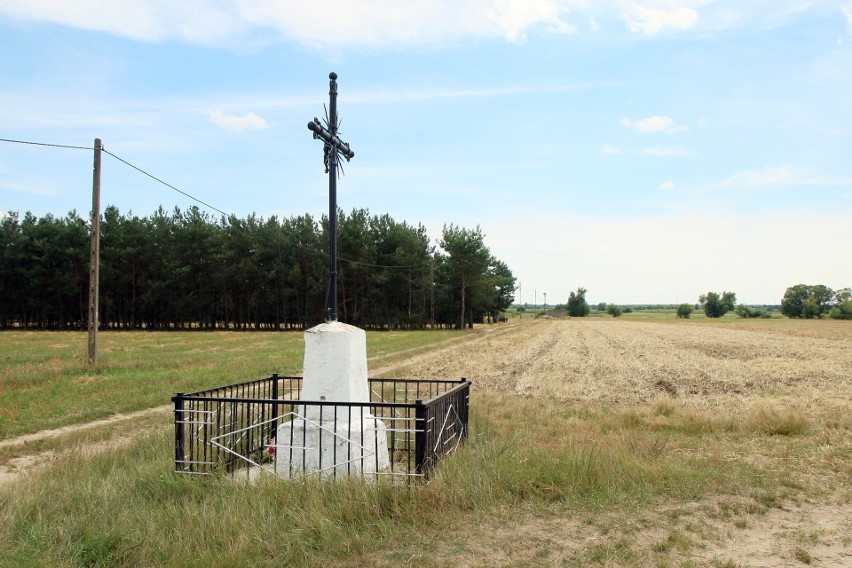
x=790 y=364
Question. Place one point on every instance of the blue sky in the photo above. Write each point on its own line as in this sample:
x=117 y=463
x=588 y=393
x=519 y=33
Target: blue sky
x=647 y=150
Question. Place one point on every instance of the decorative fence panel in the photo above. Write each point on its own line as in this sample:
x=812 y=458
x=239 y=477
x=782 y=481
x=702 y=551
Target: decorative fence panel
x=262 y=426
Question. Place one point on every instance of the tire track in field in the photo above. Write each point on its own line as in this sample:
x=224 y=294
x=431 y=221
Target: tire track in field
x=437 y=349
x=493 y=362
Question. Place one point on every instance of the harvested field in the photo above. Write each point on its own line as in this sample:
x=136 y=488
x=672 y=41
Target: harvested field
x=623 y=362
x=772 y=396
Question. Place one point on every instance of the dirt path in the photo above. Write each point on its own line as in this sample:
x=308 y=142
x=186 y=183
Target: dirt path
x=74 y=428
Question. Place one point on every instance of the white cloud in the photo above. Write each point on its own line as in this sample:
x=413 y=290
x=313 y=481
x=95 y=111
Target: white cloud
x=702 y=122
x=651 y=21
x=668 y=151
x=515 y=17
x=381 y=22
x=847 y=11
x=330 y=23
x=775 y=177
x=611 y=150
x=666 y=185
x=653 y=124
x=237 y=123
x=193 y=20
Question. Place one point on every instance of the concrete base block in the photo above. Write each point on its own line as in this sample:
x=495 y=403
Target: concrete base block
x=331 y=450
x=333 y=441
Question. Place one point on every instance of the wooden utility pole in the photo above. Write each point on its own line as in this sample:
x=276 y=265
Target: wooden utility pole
x=94 y=260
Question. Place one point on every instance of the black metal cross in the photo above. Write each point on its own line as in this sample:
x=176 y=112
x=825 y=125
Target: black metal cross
x=333 y=149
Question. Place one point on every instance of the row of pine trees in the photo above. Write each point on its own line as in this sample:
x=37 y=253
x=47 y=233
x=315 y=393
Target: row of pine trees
x=189 y=270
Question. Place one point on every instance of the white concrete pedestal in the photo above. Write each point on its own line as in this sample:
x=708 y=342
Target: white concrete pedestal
x=318 y=440
x=331 y=449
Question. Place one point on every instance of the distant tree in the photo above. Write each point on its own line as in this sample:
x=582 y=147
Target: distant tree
x=601 y=307
x=614 y=310
x=13 y=263
x=744 y=311
x=684 y=311
x=467 y=263
x=577 y=305
x=495 y=292
x=715 y=306
x=807 y=302
x=842 y=312
x=843 y=305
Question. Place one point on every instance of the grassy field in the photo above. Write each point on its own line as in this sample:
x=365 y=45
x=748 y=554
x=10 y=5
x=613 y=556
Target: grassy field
x=45 y=380
x=600 y=442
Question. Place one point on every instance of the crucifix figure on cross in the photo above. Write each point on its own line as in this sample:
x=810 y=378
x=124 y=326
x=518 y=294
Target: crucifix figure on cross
x=333 y=149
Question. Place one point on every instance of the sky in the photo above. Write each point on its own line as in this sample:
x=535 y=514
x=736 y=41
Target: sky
x=648 y=151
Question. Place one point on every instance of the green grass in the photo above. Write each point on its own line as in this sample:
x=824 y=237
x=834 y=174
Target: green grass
x=45 y=380
x=127 y=507
x=697 y=315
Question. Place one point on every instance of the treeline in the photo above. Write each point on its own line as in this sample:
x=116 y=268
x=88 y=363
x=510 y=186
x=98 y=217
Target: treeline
x=816 y=301
x=188 y=270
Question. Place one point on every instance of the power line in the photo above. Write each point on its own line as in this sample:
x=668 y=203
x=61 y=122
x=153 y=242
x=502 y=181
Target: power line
x=155 y=178
x=122 y=160
x=370 y=265
x=46 y=144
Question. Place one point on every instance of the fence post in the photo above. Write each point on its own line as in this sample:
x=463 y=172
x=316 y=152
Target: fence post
x=465 y=416
x=179 y=427
x=273 y=425
x=419 y=436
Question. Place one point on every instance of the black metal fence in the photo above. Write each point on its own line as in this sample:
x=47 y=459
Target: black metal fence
x=262 y=426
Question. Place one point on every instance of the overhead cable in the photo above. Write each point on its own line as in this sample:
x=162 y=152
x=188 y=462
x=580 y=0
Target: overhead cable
x=155 y=178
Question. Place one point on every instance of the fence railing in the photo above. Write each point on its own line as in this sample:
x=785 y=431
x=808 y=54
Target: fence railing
x=261 y=427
